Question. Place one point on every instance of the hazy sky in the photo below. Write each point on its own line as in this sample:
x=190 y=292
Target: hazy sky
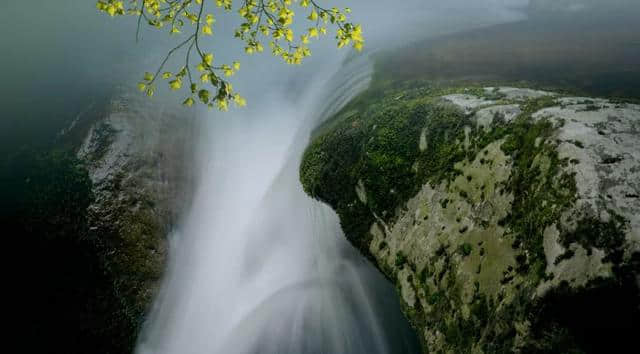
x=258 y=266
x=61 y=55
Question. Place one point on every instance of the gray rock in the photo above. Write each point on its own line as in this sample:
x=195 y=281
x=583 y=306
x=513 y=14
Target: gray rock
x=468 y=103
x=139 y=158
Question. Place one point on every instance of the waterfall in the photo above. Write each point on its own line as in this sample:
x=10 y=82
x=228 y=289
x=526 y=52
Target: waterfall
x=258 y=266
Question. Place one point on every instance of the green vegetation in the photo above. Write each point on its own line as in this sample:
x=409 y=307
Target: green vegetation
x=66 y=297
x=378 y=143
x=398 y=136
x=262 y=21
x=541 y=190
x=594 y=233
x=80 y=288
x=401 y=260
x=393 y=139
x=466 y=249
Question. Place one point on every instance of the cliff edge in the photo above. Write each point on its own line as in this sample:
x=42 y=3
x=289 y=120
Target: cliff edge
x=508 y=218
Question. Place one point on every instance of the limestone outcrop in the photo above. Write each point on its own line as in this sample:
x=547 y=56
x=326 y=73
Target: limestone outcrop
x=508 y=218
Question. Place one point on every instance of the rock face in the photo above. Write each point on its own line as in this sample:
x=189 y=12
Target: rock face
x=139 y=159
x=508 y=218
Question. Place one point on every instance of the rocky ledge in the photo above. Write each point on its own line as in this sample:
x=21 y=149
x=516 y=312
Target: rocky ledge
x=139 y=159
x=508 y=218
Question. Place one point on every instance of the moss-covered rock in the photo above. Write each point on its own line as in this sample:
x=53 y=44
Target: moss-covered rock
x=138 y=157
x=57 y=286
x=488 y=215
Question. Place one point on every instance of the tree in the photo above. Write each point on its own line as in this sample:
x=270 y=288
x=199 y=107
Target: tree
x=262 y=21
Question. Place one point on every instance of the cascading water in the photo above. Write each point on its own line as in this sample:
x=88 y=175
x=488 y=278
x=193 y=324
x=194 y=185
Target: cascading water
x=256 y=265
x=259 y=267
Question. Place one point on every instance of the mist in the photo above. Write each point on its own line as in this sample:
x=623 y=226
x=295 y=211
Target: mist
x=61 y=56
x=255 y=265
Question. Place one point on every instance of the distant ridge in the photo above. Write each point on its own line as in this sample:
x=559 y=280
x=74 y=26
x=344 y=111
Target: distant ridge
x=565 y=7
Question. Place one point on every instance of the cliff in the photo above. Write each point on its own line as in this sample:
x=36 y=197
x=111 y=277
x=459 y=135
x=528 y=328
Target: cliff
x=139 y=157
x=507 y=218
x=88 y=218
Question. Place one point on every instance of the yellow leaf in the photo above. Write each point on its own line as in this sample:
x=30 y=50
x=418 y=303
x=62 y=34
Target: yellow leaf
x=188 y=102
x=227 y=70
x=357 y=34
x=175 y=84
x=208 y=59
x=207 y=30
x=239 y=100
x=313 y=16
x=222 y=104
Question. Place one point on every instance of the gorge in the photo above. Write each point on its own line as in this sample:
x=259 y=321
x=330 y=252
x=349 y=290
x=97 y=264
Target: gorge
x=469 y=183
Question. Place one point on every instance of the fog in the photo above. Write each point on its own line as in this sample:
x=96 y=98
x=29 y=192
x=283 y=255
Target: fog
x=255 y=265
x=58 y=56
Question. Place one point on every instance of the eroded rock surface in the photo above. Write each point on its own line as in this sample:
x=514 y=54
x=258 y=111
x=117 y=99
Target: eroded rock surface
x=503 y=215
x=139 y=158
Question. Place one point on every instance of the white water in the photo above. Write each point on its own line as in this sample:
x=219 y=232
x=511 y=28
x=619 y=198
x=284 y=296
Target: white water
x=259 y=266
